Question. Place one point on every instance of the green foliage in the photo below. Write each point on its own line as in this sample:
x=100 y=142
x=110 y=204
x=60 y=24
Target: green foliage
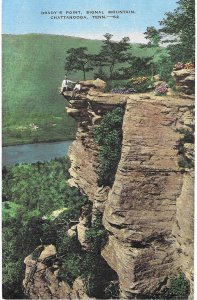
x=112 y=53
x=28 y=188
x=109 y=138
x=70 y=269
x=76 y=261
x=185 y=163
x=101 y=74
x=37 y=62
x=40 y=186
x=138 y=65
x=21 y=235
x=118 y=83
x=152 y=34
x=89 y=265
x=25 y=227
x=36 y=253
x=143 y=86
x=188 y=136
x=179 y=288
x=78 y=59
x=180 y=25
x=34 y=63
x=112 y=291
x=9 y=209
x=97 y=235
x=96 y=274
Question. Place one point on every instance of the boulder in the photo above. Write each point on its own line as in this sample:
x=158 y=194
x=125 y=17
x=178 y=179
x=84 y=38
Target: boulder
x=157 y=77
x=48 y=251
x=79 y=290
x=98 y=84
x=72 y=231
x=185 y=80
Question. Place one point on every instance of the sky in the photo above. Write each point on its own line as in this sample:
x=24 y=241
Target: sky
x=28 y=16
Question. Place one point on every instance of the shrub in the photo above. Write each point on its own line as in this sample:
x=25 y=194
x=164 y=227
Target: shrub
x=185 y=163
x=109 y=138
x=172 y=84
x=161 y=89
x=179 y=288
x=36 y=253
x=70 y=268
x=24 y=230
x=139 y=80
x=123 y=90
x=180 y=66
x=97 y=235
x=112 y=291
x=108 y=87
x=23 y=227
x=116 y=84
x=189 y=65
x=97 y=275
x=141 y=84
x=89 y=265
x=101 y=74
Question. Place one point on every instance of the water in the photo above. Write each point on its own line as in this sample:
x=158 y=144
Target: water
x=32 y=153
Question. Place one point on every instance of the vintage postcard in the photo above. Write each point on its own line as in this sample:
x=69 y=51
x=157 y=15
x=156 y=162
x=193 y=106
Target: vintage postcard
x=98 y=149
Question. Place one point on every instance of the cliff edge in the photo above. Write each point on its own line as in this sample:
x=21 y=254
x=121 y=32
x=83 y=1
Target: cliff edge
x=148 y=212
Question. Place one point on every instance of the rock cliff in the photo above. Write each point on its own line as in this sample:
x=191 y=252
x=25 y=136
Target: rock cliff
x=41 y=278
x=148 y=212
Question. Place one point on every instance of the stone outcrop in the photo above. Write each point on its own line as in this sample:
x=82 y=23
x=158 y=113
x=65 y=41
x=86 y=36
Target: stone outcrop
x=185 y=80
x=141 y=210
x=144 y=211
x=88 y=113
x=148 y=212
x=41 y=278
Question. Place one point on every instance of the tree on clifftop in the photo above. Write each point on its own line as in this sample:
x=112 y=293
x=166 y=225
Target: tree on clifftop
x=152 y=34
x=113 y=53
x=78 y=59
x=180 y=26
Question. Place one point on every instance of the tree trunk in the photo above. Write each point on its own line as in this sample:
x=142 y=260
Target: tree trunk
x=84 y=74
x=111 y=70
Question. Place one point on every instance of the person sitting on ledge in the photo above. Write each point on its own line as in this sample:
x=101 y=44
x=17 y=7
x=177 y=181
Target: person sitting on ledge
x=65 y=85
x=77 y=88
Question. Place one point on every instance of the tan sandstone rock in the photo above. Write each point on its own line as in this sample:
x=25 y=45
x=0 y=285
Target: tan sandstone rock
x=185 y=80
x=140 y=211
x=41 y=281
x=148 y=212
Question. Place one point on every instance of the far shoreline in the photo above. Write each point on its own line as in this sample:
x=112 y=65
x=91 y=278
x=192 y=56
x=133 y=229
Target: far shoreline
x=38 y=142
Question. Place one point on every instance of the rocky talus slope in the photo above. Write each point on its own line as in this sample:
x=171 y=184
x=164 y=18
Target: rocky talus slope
x=148 y=212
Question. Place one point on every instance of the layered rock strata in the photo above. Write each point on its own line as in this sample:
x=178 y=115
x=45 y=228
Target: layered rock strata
x=150 y=229
x=185 y=80
x=148 y=212
x=42 y=281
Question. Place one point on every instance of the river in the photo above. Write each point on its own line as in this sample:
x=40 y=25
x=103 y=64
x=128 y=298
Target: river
x=31 y=153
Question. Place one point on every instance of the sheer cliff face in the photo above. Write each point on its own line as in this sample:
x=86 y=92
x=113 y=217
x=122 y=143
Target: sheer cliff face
x=148 y=212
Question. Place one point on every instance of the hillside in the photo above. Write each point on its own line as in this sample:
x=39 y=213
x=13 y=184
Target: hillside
x=33 y=68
